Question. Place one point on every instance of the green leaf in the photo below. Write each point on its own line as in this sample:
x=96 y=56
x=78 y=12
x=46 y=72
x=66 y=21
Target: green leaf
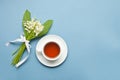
x=47 y=25
x=15 y=52
x=19 y=54
x=26 y=17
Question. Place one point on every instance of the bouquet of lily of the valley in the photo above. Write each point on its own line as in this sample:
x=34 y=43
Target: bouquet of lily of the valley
x=32 y=29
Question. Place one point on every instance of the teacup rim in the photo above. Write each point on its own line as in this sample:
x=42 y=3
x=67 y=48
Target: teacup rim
x=48 y=58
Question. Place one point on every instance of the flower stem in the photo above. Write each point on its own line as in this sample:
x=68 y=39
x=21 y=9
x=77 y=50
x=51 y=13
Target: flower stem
x=19 y=54
x=21 y=50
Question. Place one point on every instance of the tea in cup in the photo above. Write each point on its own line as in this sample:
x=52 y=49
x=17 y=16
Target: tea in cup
x=51 y=50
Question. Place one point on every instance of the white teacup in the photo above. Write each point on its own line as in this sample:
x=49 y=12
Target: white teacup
x=51 y=50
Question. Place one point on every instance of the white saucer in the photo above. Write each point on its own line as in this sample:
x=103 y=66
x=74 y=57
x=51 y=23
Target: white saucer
x=64 y=50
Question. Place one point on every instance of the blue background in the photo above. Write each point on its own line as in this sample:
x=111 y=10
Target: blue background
x=91 y=29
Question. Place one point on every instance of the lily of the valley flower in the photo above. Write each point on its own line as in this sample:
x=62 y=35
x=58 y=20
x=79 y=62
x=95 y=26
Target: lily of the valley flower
x=34 y=25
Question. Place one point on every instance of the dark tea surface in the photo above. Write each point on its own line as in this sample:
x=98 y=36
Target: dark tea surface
x=51 y=49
